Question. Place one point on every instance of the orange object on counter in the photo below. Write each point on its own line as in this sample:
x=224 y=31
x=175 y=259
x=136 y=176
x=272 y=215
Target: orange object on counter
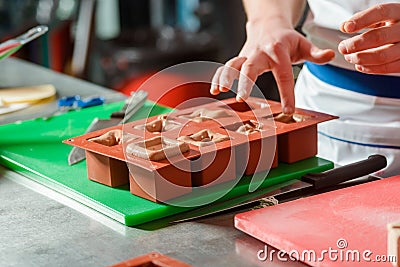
x=160 y=92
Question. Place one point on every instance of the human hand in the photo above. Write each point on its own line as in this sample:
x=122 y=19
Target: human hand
x=376 y=51
x=270 y=46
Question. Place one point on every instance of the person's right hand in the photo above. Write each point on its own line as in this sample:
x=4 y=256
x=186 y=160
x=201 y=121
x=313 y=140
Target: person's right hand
x=377 y=49
x=270 y=46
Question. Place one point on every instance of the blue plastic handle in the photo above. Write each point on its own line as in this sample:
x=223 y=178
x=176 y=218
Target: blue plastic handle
x=68 y=101
x=76 y=101
x=95 y=101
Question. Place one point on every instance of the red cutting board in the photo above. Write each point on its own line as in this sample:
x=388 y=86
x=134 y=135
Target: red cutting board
x=356 y=217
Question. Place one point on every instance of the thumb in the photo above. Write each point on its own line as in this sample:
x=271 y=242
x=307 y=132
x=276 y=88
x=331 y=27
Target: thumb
x=320 y=56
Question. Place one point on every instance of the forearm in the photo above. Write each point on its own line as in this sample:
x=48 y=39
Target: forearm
x=287 y=12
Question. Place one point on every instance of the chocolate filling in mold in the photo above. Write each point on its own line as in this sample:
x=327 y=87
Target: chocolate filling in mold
x=204 y=138
x=157 y=148
x=247 y=127
x=161 y=124
x=204 y=114
x=290 y=118
x=246 y=106
x=111 y=138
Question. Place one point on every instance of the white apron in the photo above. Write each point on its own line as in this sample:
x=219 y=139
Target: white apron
x=369 y=120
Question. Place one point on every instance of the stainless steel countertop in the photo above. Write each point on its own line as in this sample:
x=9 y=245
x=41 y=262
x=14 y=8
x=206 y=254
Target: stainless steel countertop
x=48 y=229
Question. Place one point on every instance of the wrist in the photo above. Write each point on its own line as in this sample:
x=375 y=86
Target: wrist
x=276 y=21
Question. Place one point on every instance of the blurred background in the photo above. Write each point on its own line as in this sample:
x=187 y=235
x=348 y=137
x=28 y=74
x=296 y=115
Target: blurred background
x=120 y=43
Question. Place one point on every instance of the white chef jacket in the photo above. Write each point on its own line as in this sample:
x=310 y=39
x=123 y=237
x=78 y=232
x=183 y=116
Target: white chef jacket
x=369 y=111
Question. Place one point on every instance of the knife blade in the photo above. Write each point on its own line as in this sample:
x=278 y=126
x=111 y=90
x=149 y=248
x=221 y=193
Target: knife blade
x=131 y=106
x=307 y=185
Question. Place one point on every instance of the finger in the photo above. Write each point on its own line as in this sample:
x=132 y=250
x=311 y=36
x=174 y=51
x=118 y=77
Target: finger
x=246 y=50
x=230 y=72
x=392 y=67
x=214 y=90
x=382 y=55
x=251 y=69
x=321 y=56
x=371 y=16
x=285 y=81
x=378 y=56
x=283 y=73
x=315 y=54
x=371 y=39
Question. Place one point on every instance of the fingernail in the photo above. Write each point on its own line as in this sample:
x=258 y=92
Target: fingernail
x=213 y=90
x=349 y=58
x=349 y=26
x=239 y=97
x=288 y=111
x=224 y=88
x=342 y=48
x=359 y=68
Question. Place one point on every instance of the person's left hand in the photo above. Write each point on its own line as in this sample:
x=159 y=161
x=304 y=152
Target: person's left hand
x=377 y=50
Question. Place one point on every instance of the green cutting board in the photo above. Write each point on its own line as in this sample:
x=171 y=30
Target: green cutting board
x=35 y=149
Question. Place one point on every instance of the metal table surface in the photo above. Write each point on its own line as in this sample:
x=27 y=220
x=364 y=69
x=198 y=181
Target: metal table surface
x=40 y=227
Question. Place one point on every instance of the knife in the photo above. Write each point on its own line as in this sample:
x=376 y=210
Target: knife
x=11 y=46
x=307 y=185
x=131 y=106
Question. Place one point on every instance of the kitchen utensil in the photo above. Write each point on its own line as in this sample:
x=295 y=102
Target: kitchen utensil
x=74 y=102
x=308 y=184
x=77 y=102
x=11 y=46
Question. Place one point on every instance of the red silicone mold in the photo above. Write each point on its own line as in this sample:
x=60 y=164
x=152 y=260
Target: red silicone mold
x=198 y=160
x=153 y=259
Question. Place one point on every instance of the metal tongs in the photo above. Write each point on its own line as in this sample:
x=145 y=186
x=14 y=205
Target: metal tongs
x=11 y=46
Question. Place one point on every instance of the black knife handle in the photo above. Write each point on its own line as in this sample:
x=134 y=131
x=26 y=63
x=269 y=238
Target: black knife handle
x=133 y=103
x=120 y=114
x=345 y=173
